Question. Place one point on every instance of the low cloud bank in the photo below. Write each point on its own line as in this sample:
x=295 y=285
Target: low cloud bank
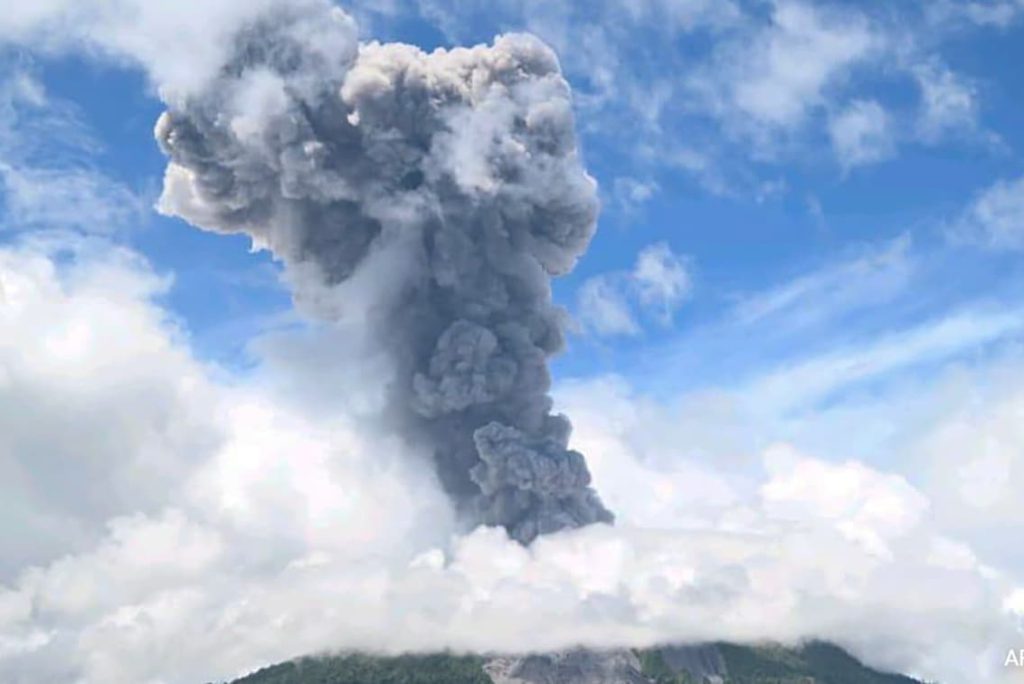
x=254 y=532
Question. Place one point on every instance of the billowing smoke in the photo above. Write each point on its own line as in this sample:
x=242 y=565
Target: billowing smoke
x=450 y=183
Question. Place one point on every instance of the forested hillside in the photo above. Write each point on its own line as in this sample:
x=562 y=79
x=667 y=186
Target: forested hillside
x=814 y=663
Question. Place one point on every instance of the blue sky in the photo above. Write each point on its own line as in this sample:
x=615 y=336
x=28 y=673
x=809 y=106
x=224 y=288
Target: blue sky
x=800 y=326
x=748 y=194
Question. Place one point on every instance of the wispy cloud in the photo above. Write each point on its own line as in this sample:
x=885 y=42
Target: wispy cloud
x=83 y=199
x=612 y=303
x=770 y=79
x=47 y=176
x=603 y=308
x=811 y=380
x=662 y=280
x=869 y=278
x=632 y=193
x=881 y=313
x=995 y=218
x=949 y=102
x=861 y=134
x=997 y=13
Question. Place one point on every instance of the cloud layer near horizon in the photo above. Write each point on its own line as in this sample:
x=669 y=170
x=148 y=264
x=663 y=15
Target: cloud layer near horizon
x=237 y=516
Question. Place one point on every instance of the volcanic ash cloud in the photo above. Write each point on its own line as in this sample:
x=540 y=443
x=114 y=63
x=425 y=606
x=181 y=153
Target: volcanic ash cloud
x=433 y=196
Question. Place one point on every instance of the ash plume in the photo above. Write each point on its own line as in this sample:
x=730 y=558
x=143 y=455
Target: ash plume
x=450 y=186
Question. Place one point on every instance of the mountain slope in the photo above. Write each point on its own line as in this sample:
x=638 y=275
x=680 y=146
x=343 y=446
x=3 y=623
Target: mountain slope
x=813 y=663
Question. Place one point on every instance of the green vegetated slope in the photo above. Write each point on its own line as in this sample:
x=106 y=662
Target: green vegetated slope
x=363 y=669
x=814 y=663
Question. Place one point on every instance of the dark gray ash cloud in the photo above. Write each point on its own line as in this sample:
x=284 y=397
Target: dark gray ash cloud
x=449 y=186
